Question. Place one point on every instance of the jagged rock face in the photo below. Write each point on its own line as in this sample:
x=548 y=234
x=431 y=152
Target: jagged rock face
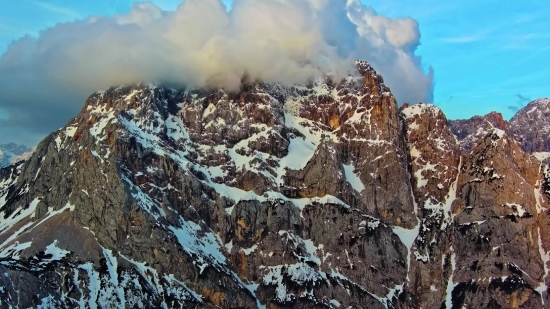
x=483 y=237
x=477 y=246
x=470 y=131
x=434 y=153
x=434 y=156
x=530 y=128
x=545 y=183
x=322 y=195
x=273 y=196
x=498 y=247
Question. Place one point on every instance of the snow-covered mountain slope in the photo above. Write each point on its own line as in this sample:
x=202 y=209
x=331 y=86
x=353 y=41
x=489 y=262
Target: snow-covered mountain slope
x=11 y=153
x=322 y=195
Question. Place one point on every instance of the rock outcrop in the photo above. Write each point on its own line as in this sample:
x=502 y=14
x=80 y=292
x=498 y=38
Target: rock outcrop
x=435 y=158
x=500 y=260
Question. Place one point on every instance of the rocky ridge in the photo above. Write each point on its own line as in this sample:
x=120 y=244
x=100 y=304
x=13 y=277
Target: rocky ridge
x=470 y=131
x=528 y=127
x=323 y=195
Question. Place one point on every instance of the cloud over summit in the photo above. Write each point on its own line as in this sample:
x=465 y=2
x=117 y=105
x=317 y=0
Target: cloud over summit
x=44 y=80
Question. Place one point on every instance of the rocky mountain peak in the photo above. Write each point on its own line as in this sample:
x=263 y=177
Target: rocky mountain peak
x=496 y=120
x=469 y=131
x=433 y=150
x=321 y=195
x=373 y=80
x=530 y=126
x=542 y=105
x=488 y=212
x=211 y=198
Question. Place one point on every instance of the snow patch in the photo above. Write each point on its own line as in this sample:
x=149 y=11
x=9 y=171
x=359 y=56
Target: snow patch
x=516 y=208
x=56 y=252
x=301 y=274
x=545 y=257
x=97 y=129
x=450 y=284
x=407 y=237
x=249 y=250
x=14 y=250
x=18 y=215
x=500 y=133
x=353 y=178
x=539 y=197
x=541 y=156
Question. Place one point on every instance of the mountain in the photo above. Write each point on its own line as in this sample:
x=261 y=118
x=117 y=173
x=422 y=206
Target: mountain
x=528 y=127
x=482 y=216
x=531 y=129
x=11 y=153
x=470 y=131
x=322 y=195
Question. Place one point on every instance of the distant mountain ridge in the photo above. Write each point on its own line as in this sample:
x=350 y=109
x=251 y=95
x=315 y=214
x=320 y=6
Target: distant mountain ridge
x=470 y=131
x=530 y=127
x=11 y=153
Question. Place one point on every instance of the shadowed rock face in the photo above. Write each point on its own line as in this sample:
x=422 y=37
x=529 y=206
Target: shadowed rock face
x=483 y=237
x=530 y=128
x=497 y=233
x=323 y=195
x=470 y=131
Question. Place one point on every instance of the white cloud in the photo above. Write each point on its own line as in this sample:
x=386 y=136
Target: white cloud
x=44 y=80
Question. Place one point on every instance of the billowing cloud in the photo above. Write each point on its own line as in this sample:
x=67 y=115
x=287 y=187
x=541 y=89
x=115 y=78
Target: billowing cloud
x=44 y=80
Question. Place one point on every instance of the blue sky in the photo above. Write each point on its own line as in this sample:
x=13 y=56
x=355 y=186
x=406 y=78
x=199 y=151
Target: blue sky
x=487 y=55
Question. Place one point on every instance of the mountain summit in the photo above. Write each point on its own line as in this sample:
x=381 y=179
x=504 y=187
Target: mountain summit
x=530 y=126
x=322 y=195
